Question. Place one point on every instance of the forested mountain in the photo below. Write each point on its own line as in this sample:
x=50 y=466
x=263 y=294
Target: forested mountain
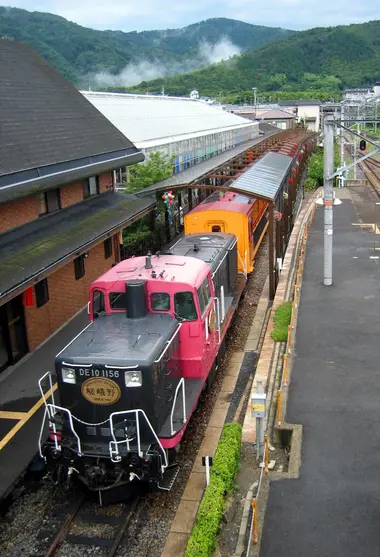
x=79 y=52
x=325 y=58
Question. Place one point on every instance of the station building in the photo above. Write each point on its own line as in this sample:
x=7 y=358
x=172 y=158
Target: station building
x=60 y=216
x=308 y=110
x=191 y=130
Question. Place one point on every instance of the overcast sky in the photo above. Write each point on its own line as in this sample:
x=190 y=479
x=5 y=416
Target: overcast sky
x=129 y=15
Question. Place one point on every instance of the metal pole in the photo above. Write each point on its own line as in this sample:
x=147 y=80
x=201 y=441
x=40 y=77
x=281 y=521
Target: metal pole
x=207 y=470
x=328 y=196
x=355 y=153
x=272 y=286
x=342 y=144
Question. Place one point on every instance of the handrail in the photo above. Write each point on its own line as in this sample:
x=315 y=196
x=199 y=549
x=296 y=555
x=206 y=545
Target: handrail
x=140 y=452
x=121 y=367
x=168 y=343
x=48 y=373
x=243 y=263
x=62 y=409
x=218 y=317
x=77 y=365
x=222 y=303
x=182 y=382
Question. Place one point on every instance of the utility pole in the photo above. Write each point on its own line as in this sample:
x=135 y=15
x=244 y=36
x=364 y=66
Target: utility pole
x=254 y=89
x=328 y=196
x=342 y=143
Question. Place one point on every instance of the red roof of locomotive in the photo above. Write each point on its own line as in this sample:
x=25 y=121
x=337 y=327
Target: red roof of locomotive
x=232 y=202
x=174 y=269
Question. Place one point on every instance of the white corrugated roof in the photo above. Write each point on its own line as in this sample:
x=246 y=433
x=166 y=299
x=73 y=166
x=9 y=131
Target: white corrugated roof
x=148 y=120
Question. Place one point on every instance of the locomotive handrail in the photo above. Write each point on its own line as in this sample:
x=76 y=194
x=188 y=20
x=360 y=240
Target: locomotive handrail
x=116 y=443
x=168 y=343
x=48 y=373
x=53 y=408
x=121 y=367
x=76 y=365
x=244 y=263
x=222 y=303
x=218 y=317
x=181 y=383
x=47 y=410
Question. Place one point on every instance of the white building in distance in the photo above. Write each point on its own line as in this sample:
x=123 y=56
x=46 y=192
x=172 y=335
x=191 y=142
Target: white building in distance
x=189 y=129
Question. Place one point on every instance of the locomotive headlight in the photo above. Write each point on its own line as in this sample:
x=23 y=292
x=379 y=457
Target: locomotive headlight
x=133 y=378
x=68 y=375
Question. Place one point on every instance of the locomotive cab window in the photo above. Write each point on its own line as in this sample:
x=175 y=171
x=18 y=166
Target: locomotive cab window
x=204 y=295
x=118 y=300
x=97 y=303
x=184 y=306
x=160 y=301
x=216 y=228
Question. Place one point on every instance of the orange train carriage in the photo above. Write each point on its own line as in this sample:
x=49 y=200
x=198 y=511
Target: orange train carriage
x=236 y=214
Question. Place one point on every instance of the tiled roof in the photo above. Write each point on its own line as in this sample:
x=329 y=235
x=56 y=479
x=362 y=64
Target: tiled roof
x=300 y=102
x=275 y=115
x=45 y=121
x=38 y=246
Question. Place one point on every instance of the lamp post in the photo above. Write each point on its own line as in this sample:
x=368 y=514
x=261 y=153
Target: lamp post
x=254 y=89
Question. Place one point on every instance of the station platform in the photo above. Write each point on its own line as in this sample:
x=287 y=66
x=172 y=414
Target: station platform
x=333 y=508
x=21 y=405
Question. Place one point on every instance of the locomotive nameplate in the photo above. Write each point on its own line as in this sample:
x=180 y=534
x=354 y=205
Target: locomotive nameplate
x=100 y=390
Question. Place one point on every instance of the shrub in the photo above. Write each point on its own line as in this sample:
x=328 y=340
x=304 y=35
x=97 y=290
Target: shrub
x=281 y=319
x=226 y=463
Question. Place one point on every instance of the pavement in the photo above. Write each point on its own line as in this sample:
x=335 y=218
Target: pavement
x=21 y=406
x=333 y=509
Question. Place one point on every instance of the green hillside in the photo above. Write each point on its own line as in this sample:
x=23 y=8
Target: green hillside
x=321 y=58
x=78 y=52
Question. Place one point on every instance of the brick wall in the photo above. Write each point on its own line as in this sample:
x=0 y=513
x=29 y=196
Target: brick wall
x=66 y=296
x=16 y=213
x=105 y=182
x=19 y=212
x=73 y=193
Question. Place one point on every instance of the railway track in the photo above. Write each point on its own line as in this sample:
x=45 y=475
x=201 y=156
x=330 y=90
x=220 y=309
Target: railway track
x=77 y=525
x=371 y=170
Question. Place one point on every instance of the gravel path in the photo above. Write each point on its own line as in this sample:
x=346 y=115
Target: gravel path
x=30 y=523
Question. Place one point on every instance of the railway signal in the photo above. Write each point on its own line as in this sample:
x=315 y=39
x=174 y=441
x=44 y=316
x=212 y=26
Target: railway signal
x=363 y=145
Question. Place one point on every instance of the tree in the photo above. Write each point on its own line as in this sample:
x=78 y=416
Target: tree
x=156 y=168
x=315 y=168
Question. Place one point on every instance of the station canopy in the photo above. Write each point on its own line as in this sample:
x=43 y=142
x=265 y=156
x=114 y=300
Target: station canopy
x=265 y=177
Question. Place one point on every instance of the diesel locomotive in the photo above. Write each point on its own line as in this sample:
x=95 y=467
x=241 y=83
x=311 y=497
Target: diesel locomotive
x=130 y=381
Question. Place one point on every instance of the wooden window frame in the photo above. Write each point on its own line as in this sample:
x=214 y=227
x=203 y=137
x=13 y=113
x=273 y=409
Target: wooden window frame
x=41 y=290
x=87 y=188
x=108 y=248
x=79 y=267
